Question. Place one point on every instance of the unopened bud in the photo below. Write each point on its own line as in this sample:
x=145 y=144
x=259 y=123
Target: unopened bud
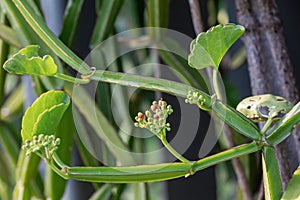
x=140 y=115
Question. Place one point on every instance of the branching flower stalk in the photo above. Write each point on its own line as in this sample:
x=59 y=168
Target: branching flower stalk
x=42 y=145
x=156 y=121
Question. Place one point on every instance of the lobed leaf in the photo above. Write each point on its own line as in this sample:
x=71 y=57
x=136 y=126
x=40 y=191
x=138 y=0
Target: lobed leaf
x=27 y=61
x=44 y=115
x=209 y=47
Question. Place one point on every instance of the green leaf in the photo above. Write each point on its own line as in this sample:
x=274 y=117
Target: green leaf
x=71 y=21
x=41 y=29
x=103 y=193
x=209 y=47
x=100 y=124
x=292 y=191
x=27 y=61
x=271 y=174
x=54 y=184
x=9 y=35
x=44 y=115
x=158 y=13
x=284 y=126
x=106 y=19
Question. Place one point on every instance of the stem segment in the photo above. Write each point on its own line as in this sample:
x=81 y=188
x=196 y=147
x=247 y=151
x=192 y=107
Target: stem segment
x=226 y=155
x=163 y=139
x=147 y=173
x=266 y=126
x=216 y=85
x=71 y=79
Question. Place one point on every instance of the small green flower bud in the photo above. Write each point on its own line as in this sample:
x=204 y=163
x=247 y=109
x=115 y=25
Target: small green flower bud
x=147 y=113
x=154 y=108
x=51 y=138
x=45 y=144
x=35 y=149
x=57 y=141
x=41 y=137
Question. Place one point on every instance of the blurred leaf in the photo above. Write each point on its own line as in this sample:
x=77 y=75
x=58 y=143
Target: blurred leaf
x=27 y=36
x=9 y=145
x=239 y=58
x=9 y=35
x=292 y=191
x=44 y=115
x=105 y=21
x=284 y=126
x=38 y=6
x=13 y=102
x=70 y=23
x=5 y=190
x=54 y=184
x=185 y=73
x=27 y=61
x=100 y=124
x=98 y=4
x=158 y=13
x=86 y=156
x=26 y=171
x=4 y=51
x=104 y=193
x=158 y=16
x=45 y=34
x=209 y=47
x=6 y=172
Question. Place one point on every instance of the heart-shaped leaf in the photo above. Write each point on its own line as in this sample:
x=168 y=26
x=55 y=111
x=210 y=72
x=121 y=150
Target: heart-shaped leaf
x=209 y=47
x=27 y=61
x=44 y=115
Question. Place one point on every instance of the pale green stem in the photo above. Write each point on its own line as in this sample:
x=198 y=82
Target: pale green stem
x=163 y=139
x=71 y=79
x=226 y=155
x=148 y=83
x=216 y=85
x=147 y=173
x=267 y=125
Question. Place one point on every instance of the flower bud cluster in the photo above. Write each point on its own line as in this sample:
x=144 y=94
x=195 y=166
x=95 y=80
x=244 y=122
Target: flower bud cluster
x=155 y=119
x=42 y=143
x=194 y=97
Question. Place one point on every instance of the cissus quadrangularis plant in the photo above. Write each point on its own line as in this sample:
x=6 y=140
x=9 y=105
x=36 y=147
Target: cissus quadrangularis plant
x=207 y=50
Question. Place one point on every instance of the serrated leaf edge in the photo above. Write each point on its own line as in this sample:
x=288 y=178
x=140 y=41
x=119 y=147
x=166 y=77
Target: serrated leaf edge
x=36 y=102
x=30 y=58
x=42 y=114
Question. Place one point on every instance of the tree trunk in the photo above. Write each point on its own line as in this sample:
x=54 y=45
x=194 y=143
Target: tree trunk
x=270 y=68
